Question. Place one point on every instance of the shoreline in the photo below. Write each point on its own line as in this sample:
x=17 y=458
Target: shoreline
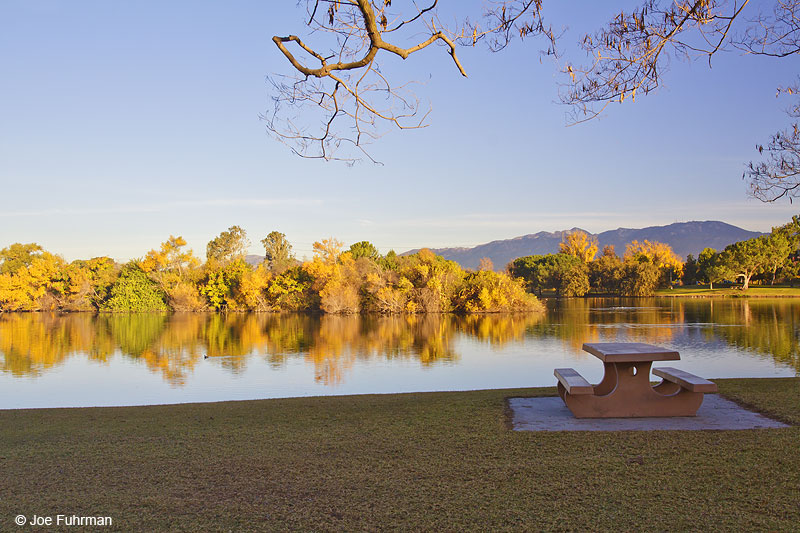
x=547 y=391
x=725 y=296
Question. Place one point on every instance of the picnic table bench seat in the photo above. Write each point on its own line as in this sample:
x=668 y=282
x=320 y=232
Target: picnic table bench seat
x=572 y=381
x=685 y=379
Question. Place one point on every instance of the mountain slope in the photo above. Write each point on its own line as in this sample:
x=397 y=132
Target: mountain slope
x=684 y=237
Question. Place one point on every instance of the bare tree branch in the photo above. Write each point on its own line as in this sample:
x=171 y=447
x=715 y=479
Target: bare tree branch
x=778 y=175
x=776 y=34
x=354 y=101
x=629 y=55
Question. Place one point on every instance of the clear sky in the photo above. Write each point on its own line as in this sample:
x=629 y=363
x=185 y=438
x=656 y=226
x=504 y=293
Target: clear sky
x=122 y=123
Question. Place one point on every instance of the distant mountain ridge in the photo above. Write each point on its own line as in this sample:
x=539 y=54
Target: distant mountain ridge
x=684 y=238
x=254 y=260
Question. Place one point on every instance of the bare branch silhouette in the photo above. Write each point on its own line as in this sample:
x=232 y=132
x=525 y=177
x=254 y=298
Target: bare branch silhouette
x=778 y=174
x=338 y=101
x=629 y=55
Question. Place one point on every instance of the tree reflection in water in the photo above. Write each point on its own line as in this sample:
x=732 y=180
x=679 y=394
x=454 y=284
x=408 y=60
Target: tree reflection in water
x=579 y=320
x=766 y=327
x=173 y=345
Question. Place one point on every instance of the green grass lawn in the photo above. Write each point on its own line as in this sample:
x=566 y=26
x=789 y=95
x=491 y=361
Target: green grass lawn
x=433 y=461
x=720 y=290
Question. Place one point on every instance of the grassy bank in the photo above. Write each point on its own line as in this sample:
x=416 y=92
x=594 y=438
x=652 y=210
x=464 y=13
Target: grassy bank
x=702 y=291
x=406 y=462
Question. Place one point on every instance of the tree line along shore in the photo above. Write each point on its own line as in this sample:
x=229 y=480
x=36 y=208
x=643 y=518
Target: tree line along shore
x=648 y=266
x=361 y=280
x=335 y=280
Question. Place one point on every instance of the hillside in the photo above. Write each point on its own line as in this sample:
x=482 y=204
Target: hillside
x=684 y=237
x=254 y=260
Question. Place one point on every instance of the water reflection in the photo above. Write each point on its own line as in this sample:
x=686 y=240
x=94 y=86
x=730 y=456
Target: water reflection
x=579 y=320
x=174 y=345
x=769 y=327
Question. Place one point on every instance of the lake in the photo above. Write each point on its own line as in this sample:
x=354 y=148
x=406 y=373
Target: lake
x=50 y=360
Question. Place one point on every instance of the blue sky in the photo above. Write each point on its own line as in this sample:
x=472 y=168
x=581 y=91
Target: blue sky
x=125 y=122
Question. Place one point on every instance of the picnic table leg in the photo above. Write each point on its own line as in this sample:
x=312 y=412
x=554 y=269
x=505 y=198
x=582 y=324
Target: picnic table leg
x=609 y=381
x=667 y=388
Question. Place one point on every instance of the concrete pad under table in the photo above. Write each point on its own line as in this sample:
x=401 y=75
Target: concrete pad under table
x=550 y=414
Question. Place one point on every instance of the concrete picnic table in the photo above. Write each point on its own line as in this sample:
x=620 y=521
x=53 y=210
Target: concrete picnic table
x=625 y=390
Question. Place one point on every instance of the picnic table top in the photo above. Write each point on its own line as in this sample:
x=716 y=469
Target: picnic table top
x=629 y=352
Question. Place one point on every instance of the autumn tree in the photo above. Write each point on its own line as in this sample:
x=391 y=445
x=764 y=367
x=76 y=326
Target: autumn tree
x=334 y=277
x=434 y=279
x=384 y=288
x=35 y=282
x=251 y=292
x=328 y=250
x=386 y=291
x=221 y=286
x=170 y=257
x=629 y=56
x=102 y=272
x=85 y=283
x=486 y=291
x=291 y=290
x=228 y=246
x=579 y=244
x=277 y=251
x=485 y=265
x=18 y=255
x=660 y=255
x=174 y=268
x=777 y=34
x=574 y=281
x=333 y=282
x=640 y=276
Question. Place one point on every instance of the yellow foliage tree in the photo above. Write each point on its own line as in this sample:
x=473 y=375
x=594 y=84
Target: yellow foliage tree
x=171 y=267
x=435 y=281
x=84 y=284
x=291 y=290
x=252 y=289
x=335 y=277
x=388 y=292
x=491 y=292
x=658 y=253
x=31 y=288
x=170 y=257
x=579 y=244
x=328 y=250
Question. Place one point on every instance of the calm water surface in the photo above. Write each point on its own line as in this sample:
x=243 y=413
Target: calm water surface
x=86 y=360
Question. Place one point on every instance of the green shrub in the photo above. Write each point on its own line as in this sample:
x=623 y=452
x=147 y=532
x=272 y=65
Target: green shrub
x=134 y=291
